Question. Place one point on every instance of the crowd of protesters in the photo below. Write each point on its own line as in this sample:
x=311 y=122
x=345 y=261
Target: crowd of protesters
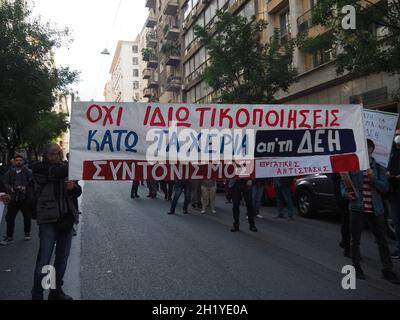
x=44 y=193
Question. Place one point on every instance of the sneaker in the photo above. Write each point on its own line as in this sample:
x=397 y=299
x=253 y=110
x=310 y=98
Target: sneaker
x=279 y=216
x=137 y=196
x=202 y=211
x=259 y=216
x=171 y=212
x=27 y=237
x=214 y=212
x=185 y=212
x=235 y=229
x=58 y=294
x=395 y=255
x=6 y=241
x=74 y=234
x=390 y=276
x=359 y=273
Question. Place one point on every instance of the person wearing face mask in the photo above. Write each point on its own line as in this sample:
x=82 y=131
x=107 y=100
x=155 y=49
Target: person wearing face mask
x=394 y=179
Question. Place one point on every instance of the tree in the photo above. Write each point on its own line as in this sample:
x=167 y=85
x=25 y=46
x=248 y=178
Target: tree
x=28 y=77
x=242 y=69
x=372 y=47
x=48 y=128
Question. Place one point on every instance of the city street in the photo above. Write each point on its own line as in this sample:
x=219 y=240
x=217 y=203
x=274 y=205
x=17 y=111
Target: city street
x=131 y=249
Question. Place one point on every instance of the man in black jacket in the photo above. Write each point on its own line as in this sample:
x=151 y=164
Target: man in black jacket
x=18 y=182
x=56 y=214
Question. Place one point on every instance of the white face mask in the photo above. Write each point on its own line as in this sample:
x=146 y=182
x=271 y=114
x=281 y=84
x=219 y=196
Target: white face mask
x=397 y=139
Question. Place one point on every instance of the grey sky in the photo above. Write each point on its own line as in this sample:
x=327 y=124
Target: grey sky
x=93 y=26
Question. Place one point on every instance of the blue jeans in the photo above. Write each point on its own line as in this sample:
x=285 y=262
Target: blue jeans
x=283 y=195
x=50 y=236
x=181 y=186
x=257 y=193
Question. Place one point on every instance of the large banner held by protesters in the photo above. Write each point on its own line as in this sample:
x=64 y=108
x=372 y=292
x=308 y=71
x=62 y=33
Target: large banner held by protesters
x=141 y=141
x=380 y=127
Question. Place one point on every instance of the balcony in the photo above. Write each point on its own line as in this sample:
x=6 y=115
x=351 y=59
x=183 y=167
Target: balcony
x=152 y=83
x=146 y=74
x=273 y=6
x=152 y=63
x=171 y=33
x=171 y=53
x=171 y=7
x=304 y=22
x=151 y=39
x=151 y=21
x=148 y=93
x=151 y=4
x=173 y=84
x=172 y=60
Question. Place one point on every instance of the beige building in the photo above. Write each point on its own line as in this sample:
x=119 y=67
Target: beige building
x=174 y=78
x=125 y=74
x=317 y=81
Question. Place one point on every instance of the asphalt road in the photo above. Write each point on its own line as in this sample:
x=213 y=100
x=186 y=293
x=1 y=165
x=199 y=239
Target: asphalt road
x=131 y=249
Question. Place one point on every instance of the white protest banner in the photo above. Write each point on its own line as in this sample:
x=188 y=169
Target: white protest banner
x=139 y=141
x=380 y=128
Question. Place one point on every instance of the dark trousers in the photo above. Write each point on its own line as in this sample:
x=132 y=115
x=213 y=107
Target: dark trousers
x=239 y=190
x=135 y=187
x=345 y=230
x=179 y=188
x=152 y=185
x=167 y=187
x=50 y=236
x=12 y=211
x=377 y=226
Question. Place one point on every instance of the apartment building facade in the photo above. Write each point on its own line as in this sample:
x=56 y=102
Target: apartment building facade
x=203 y=13
x=125 y=73
x=163 y=52
x=317 y=82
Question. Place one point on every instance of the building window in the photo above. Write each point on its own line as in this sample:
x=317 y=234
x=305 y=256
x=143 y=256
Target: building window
x=135 y=49
x=322 y=56
x=135 y=61
x=284 y=23
x=135 y=85
x=136 y=73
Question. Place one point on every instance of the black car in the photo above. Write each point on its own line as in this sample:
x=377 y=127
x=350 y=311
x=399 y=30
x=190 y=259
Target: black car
x=315 y=194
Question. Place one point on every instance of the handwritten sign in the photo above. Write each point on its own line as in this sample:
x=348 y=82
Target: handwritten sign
x=380 y=127
x=127 y=141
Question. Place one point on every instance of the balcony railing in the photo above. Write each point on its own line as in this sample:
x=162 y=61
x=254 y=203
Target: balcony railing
x=151 y=21
x=149 y=93
x=146 y=73
x=151 y=39
x=304 y=22
x=171 y=32
x=173 y=84
x=171 y=7
x=152 y=83
x=151 y=4
x=152 y=63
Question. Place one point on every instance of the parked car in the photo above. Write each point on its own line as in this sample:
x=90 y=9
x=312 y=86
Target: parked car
x=315 y=194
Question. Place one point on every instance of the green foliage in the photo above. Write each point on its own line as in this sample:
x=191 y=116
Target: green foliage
x=147 y=54
x=28 y=79
x=242 y=69
x=170 y=48
x=361 y=51
x=48 y=127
